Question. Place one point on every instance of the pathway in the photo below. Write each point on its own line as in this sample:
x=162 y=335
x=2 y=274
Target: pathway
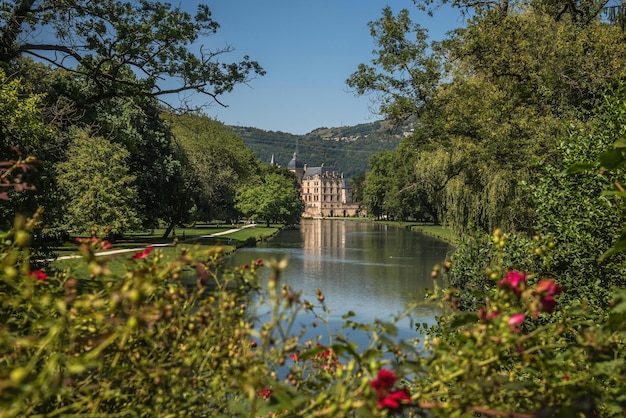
x=129 y=250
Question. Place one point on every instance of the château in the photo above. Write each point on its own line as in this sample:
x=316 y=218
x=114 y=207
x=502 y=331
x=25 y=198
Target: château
x=323 y=190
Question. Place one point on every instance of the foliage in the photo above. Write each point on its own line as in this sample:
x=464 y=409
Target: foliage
x=98 y=185
x=580 y=231
x=348 y=157
x=524 y=354
x=103 y=41
x=155 y=159
x=275 y=197
x=402 y=76
x=22 y=132
x=219 y=162
x=510 y=82
x=142 y=343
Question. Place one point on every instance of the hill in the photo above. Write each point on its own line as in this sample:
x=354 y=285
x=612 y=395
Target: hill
x=347 y=149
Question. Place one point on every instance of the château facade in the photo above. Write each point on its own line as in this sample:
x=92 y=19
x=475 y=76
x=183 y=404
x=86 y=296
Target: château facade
x=323 y=190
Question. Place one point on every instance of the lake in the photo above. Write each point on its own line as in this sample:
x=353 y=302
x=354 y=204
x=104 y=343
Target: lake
x=371 y=269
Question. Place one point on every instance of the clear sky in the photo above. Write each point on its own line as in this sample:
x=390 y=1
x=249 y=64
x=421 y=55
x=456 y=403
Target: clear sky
x=308 y=48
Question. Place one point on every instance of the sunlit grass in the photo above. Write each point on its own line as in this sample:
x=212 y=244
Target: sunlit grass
x=185 y=238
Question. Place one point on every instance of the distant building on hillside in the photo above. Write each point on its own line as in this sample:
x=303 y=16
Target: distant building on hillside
x=323 y=190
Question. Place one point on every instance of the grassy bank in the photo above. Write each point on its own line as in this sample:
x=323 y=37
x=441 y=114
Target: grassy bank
x=200 y=238
x=437 y=231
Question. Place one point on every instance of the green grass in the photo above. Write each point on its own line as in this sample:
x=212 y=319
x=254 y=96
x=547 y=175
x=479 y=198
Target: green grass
x=437 y=231
x=187 y=238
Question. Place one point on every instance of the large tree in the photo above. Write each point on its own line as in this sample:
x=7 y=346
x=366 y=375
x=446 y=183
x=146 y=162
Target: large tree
x=272 y=198
x=99 y=188
x=402 y=76
x=218 y=162
x=101 y=40
x=514 y=77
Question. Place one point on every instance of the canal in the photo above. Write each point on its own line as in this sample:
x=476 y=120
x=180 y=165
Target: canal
x=371 y=269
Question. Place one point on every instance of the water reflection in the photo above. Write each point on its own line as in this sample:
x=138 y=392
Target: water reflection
x=371 y=269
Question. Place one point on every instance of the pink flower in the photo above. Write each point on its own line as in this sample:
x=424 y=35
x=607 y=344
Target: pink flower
x=548 y=287
x=384 y=381
x=513 y=280
x=394 y=400
x=516 y=321
x=142 y=254
x=39 y=275
x=106 y=245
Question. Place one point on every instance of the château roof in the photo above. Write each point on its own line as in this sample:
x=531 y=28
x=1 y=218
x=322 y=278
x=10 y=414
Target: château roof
x=295 y=163
x=325 y=172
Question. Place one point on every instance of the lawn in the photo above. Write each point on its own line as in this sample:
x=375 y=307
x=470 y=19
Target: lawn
x=198 y=237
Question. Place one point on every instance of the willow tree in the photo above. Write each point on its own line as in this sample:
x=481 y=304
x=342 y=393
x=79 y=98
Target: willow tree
x=515 y=77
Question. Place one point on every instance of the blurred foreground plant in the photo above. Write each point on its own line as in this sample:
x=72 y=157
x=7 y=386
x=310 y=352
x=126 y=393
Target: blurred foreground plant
x=191 y=338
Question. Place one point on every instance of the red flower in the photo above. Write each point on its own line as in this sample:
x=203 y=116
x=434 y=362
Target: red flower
x=483 y=315
x=142 y=254
x=258 y=263
x=106 y=245
x=384 y=381
x=324 y=354
x=295 y=356
x=39 y=275
x=548 y=287
x=394 y=400
x=516 y=321
x=547 y=304
x=513 y=280
x=267 y=393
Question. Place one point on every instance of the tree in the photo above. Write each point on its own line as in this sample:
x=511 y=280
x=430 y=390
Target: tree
x=402 y=76
x=155 y=159
x=218 y=162
x=102 y=40
x=23 y=132
x=273 y=198
x=98 y=186
x=378 y=183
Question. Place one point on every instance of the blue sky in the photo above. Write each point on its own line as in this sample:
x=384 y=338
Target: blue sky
x=308 y=48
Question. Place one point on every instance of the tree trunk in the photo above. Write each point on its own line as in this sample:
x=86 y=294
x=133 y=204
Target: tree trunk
x=169 y=229
x=267 y=223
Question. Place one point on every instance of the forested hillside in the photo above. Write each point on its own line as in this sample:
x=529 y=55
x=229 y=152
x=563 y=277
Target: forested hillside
x=347 y=149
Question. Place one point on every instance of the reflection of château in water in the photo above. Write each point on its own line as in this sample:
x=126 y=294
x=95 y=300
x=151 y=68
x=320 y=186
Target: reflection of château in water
x=323 y=190
x=318 y=234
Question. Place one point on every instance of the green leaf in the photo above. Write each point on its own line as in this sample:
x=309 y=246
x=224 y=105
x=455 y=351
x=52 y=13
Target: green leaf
x=579 y=168
x=614 y=193
x=618 y=247
x=463 y=319
x=620 y=143
x=347 y=315
x=611 y=159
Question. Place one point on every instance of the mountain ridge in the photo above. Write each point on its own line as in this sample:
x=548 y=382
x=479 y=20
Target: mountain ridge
x=346 y=149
